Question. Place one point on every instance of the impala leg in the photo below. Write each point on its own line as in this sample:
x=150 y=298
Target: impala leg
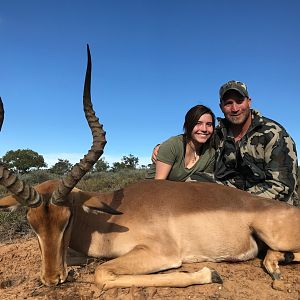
x=292 y=256
x=75 y=258
x=273 y=258
x=131 y=269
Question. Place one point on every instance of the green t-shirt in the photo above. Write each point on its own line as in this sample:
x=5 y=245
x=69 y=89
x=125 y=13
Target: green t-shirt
x=172 y=152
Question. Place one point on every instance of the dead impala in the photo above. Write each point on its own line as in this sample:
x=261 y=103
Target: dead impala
x=150 y=226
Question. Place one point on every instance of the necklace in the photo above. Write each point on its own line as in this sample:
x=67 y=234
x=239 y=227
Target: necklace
x=194 y=154
x=191 y=156
x=194 y=159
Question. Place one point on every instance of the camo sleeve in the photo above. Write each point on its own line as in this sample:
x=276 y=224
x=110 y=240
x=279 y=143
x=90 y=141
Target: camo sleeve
x=281 y=168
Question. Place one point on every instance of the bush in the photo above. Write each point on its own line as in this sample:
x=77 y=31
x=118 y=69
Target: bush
x=14 y=224
x=38 y=176
x=110 y=181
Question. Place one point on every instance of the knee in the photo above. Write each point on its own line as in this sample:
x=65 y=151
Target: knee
x=103 y=276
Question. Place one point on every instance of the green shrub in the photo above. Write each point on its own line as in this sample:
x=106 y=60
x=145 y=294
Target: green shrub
x=38 y=176
x=110 y=181
x=13 y=224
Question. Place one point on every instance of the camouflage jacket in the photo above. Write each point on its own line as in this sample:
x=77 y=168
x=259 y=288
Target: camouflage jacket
x=264 y=162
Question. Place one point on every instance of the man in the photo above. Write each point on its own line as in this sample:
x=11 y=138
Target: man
x=253 y=153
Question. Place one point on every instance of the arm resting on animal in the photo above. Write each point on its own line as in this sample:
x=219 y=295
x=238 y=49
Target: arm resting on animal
x=162 y=170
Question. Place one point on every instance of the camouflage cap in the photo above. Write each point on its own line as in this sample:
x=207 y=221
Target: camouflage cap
x=234 y=85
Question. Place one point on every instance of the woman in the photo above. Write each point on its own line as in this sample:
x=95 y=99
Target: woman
x=188 y=154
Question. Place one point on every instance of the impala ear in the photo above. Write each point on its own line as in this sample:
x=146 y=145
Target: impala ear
x=9 y=203
x=94 y=205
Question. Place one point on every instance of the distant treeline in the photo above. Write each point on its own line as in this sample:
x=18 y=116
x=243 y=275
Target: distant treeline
x=26 y=160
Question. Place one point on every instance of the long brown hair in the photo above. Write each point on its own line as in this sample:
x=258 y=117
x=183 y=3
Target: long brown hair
x=192 y=118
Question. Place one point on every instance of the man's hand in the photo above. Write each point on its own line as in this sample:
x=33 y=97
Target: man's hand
x=154 y=153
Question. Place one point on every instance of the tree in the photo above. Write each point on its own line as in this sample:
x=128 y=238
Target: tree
x=130 y=161
x=23 y=160
x=101 y=165
x=127 y=162
x=117 y=166
x=144 y=167
x=62 y=167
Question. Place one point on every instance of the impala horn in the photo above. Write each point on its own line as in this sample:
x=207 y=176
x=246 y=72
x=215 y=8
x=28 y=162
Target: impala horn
x=69 y=181
x=26 y=195
x=1 y=113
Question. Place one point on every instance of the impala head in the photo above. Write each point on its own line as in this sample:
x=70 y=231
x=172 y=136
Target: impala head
x=50 y=204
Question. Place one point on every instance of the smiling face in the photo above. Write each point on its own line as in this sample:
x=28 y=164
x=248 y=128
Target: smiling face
x=236 y=108
x=199 y=124
x=203 y=130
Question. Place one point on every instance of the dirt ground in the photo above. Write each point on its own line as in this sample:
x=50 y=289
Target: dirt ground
x=19 y=279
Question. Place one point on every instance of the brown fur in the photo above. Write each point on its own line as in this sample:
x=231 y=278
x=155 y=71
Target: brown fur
x=162 y=225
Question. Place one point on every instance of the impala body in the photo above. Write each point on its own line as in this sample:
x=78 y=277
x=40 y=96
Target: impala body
x=150 y=226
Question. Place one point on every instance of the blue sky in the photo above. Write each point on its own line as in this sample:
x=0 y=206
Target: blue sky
x=152 y=61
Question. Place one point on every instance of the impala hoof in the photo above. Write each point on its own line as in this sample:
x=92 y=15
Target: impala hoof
x=288 y=257
x=275 y=276
x=215 y=277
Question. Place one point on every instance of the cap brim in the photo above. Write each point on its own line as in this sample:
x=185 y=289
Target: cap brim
x=233 y=88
